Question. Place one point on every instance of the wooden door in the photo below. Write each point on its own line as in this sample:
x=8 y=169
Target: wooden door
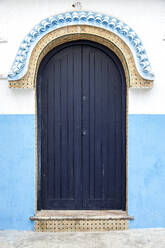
x=81 y=103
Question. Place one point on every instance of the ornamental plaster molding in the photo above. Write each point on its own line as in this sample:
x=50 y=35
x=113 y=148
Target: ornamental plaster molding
x=81 y=18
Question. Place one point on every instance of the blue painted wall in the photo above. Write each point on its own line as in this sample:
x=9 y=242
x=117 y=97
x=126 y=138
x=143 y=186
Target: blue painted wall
x=146 y=171
x=17 y=171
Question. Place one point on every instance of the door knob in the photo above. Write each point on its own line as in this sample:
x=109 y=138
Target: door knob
x=84 y=132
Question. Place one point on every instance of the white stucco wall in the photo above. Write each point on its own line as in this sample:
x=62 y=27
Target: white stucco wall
x=147 y=18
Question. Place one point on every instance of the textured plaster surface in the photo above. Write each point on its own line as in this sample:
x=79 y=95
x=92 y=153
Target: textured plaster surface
x=146 y=170
x=144 y=238
x=17 y=176
x=147 y=18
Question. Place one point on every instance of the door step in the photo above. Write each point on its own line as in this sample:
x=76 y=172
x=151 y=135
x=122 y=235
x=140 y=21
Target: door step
x=80 y=221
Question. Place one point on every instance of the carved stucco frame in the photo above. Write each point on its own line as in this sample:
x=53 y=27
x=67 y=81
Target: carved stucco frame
x=106 y=38
x=71 y=33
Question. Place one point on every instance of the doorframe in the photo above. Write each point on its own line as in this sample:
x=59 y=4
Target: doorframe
x=98 y=40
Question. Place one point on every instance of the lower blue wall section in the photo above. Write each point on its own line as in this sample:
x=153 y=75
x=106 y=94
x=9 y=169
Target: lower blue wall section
x=146 y=171
x=17 y=171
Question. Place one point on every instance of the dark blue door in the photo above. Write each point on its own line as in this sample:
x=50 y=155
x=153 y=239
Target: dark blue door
x=81 y=104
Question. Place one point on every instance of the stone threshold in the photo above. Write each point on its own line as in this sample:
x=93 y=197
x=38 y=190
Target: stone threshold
x=81 y=215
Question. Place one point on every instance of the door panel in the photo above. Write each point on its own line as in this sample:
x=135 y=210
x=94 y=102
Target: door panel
x=102 y=147
x=81 y=97
x=61 y=130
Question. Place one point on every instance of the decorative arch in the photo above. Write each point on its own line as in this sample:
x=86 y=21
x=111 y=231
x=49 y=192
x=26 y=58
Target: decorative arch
x=65 y=27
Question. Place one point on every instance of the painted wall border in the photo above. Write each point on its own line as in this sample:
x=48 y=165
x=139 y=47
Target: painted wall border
x=141 y=66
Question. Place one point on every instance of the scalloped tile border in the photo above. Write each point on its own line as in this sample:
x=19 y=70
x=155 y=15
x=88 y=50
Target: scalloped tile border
x=76 y=32
x=110 y=23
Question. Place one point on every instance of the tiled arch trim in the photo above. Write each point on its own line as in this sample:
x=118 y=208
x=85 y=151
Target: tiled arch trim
x=59 y=29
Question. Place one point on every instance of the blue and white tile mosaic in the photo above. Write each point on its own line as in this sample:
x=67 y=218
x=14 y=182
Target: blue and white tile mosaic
x=126 y=33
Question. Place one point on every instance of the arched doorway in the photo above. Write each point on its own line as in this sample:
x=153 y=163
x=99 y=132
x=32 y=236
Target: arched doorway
x=127 y=47
x=81 y=111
